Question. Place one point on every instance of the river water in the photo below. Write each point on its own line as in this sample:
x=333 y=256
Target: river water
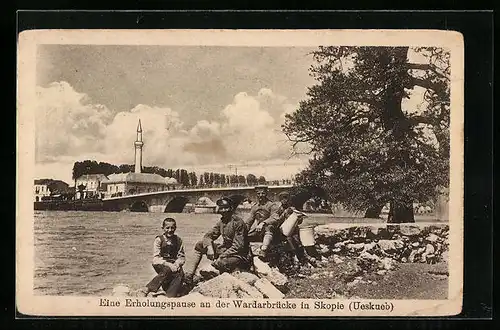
x=89 y=253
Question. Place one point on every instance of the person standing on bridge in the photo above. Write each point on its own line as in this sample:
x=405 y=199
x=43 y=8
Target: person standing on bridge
x=261 y=227
x=233 y=253
x=168 y=259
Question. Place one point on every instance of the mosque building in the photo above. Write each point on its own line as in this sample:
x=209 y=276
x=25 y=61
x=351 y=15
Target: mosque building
x=136 y=182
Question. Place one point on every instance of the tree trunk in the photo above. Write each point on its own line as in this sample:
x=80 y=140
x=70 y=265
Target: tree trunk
x=374 y=211
x=401 y=213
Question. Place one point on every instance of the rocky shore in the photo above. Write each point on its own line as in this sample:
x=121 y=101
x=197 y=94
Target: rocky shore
x=369 y=261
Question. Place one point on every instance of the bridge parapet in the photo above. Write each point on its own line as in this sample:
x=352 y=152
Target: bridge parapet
x=175 y=200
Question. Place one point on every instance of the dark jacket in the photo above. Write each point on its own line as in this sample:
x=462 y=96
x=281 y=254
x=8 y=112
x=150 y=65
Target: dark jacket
x=261 y=213
x=234 y=238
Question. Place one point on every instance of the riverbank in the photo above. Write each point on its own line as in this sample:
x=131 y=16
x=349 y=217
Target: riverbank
x=407 y=281
x=377 y=262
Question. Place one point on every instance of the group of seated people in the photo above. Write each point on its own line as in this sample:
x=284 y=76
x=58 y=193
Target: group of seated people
x=234 y=253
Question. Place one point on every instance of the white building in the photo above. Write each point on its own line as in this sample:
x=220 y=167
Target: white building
x=93 y=185
x=41 y=189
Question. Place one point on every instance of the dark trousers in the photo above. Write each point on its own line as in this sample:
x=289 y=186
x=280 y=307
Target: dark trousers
x=296 y=245
x=168 y=280
x=223 y=264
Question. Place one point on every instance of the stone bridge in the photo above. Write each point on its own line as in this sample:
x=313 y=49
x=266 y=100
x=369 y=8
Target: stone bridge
x=174 y=201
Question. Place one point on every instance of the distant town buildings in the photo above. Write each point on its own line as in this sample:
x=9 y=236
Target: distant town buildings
x=90 y=186
x=114 y=185
x=41 y=189
x=45 y=188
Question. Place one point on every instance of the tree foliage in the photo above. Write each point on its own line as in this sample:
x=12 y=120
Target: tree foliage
x=181 y=175
x=368 y=148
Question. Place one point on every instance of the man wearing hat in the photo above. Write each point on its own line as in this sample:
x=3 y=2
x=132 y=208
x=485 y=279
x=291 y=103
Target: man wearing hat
x=284 y=211
x=261 y=226
x=234 y=252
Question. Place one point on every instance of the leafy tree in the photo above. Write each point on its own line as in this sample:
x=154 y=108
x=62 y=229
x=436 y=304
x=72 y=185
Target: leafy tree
x=367 y=147
x=262 y=180
x=251 y=179
x=184 y=178
x=193 y=178
x=241 y=179
x=233 y=179
x=216 y=178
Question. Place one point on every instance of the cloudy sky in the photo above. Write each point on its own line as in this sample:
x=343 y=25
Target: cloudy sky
x=201 y=108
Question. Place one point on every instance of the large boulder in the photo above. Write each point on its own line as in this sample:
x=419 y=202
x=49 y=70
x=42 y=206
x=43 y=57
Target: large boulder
x=270 y=273
x=227 y=286
x=268 y=289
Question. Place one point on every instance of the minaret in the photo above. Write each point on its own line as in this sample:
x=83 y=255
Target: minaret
x=138 y=149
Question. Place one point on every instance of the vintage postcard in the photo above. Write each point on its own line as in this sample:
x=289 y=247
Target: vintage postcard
x=239 y=173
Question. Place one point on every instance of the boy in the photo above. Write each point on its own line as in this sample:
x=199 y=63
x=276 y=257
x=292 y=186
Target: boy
x=168 y=259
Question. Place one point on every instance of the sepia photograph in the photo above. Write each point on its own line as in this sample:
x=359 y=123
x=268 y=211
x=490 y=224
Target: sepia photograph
x=200 y=172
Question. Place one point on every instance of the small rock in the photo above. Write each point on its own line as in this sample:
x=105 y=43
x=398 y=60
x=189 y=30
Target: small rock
x=355 y=247
x=324 y=249
x=369 y=256
x=369 y=247
x=339 y=245
x=409 y=230
x=121 y=290
x=337 y=259
x=390 y=245
x=277 y=278
x=432 y=238
x=386 y=263
x=382 y=272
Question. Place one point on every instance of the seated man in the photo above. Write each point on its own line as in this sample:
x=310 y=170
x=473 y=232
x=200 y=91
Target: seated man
x=233 y=253
x=168 y=258
x=261 y=227
x=284 y=211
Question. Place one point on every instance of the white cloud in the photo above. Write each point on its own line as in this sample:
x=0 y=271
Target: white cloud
x=66 y=123
x=248 y=131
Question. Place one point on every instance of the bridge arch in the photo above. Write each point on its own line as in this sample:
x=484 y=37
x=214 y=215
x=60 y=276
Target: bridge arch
x=139 y=206
x=237 y=199
x=176 y=205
